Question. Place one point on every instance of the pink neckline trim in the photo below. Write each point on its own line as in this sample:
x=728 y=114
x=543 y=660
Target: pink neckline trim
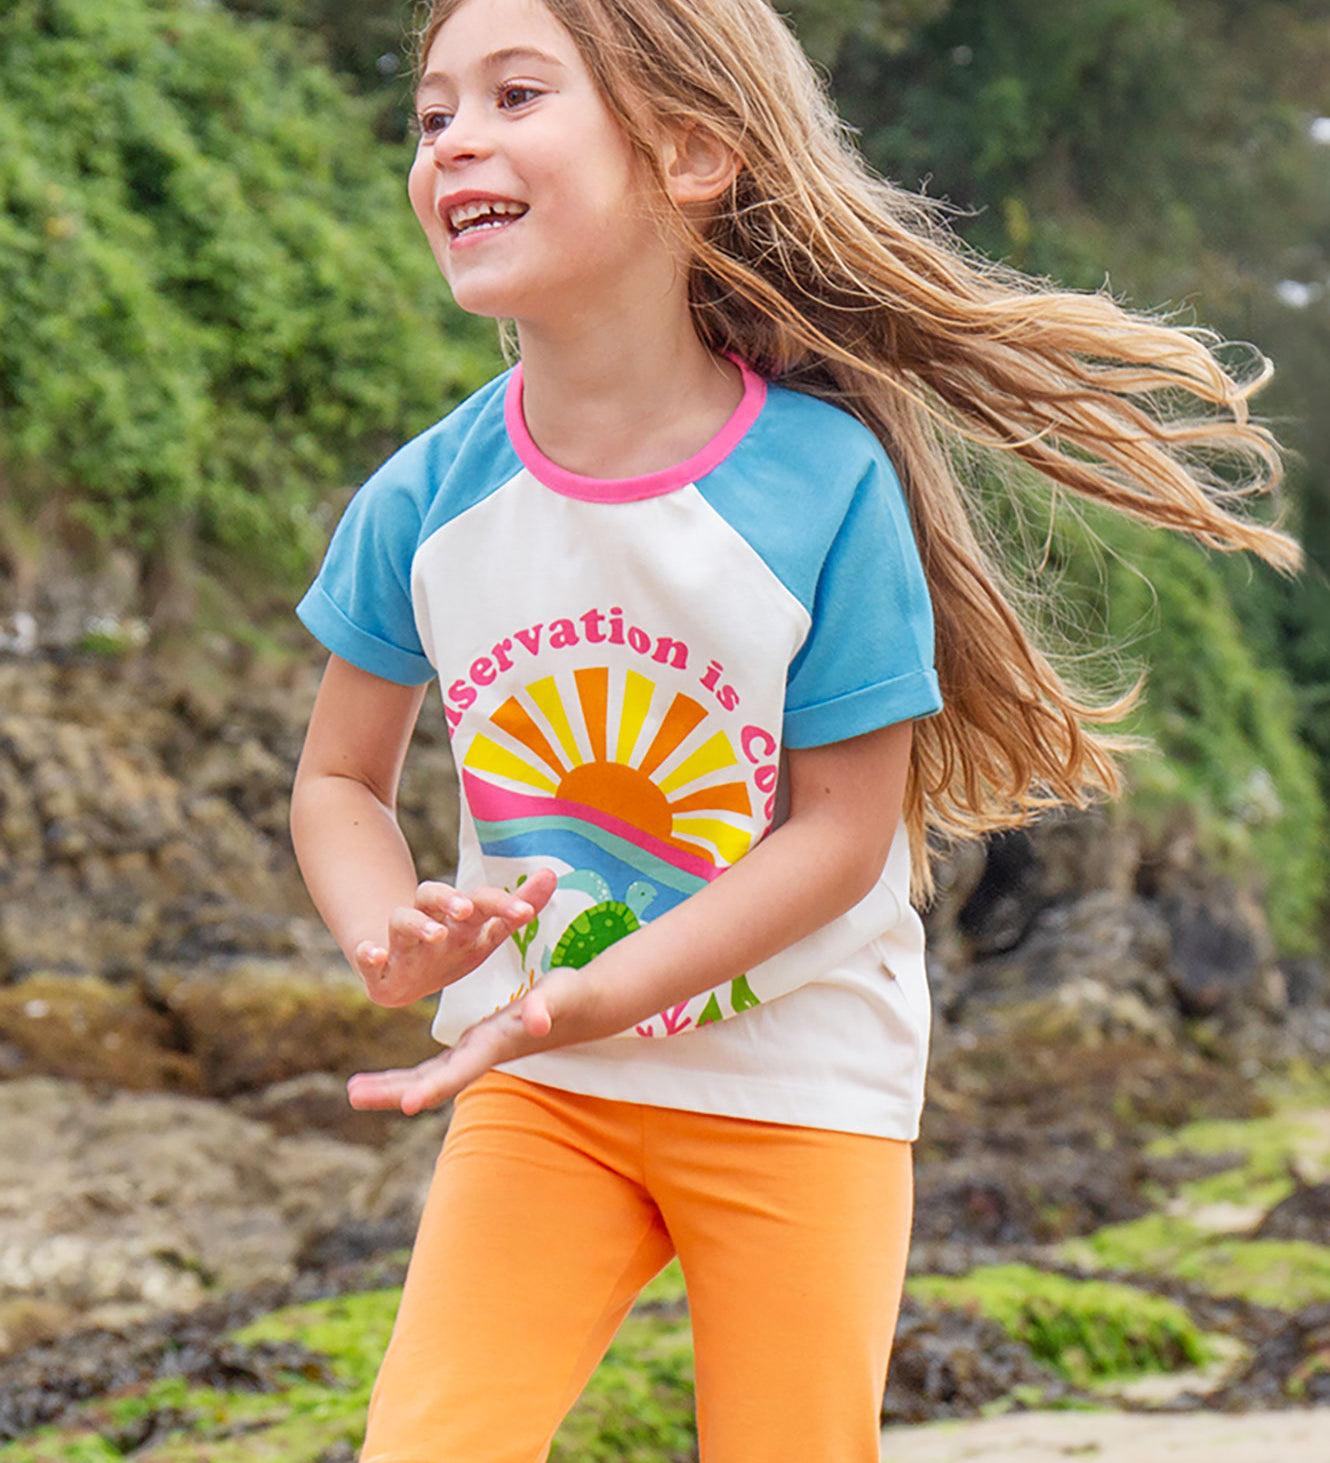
x=650 y=485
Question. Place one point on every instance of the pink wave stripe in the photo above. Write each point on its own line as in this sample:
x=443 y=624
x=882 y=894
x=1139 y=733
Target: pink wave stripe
x=491 y=804
x=649 y=485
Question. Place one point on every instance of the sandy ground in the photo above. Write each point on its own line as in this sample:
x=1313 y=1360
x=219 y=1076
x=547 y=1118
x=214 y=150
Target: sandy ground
x=1106 y=1437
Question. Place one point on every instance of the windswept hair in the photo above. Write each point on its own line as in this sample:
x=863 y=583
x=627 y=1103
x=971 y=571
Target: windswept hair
x=826 y=278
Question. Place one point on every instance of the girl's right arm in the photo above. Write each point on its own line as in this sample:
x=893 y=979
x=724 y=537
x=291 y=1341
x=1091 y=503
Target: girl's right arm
x=405 y=940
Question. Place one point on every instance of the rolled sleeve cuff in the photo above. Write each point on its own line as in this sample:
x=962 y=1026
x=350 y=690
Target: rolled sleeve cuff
x=326 y=622
x=902 y=699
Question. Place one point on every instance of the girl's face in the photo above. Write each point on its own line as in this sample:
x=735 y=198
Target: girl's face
x=532 y=199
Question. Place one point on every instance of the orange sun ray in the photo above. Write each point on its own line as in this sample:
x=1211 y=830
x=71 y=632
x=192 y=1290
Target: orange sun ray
x=514 y=718
x=683 y=715
x=593 y=690
x=729 y=797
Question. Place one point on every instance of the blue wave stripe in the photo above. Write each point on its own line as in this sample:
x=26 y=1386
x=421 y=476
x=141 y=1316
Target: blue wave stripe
x=547 y=837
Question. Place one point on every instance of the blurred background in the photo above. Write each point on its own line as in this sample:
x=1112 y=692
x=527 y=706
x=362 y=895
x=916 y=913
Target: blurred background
x=215 y=318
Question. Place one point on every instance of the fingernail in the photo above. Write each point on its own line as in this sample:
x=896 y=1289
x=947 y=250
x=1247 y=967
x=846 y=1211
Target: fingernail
x=520 y=911
x=458 y=909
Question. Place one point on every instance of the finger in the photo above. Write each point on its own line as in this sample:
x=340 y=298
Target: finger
x=536 y=890
x=370 y=1091
x=499 y=1038
x=492 y=934
x=376 y=1090
x=369 y=958
x=441 y=900
x=537 y=1017
x=489 y=903
x=408 y=926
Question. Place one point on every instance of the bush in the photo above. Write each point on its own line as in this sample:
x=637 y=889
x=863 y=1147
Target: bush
x=214 y=303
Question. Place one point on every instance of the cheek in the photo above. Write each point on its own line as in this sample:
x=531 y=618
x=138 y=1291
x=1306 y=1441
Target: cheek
x=420 y=190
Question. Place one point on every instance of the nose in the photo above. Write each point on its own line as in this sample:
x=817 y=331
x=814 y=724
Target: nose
x=463 y=140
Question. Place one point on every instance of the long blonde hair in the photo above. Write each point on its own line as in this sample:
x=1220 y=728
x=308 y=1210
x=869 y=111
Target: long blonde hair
x=825 y=277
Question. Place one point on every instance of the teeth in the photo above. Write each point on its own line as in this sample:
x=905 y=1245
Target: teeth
x=482 y=212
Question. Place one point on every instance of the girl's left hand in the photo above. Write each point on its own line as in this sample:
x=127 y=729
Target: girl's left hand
x=518 y=1030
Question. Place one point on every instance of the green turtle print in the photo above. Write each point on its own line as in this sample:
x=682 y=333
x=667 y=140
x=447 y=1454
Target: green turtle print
x=597 y=928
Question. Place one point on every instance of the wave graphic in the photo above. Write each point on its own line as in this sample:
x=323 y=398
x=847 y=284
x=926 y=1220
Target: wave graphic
x=509 y=815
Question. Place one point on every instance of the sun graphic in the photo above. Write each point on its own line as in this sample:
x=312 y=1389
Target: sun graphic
x=667 y=791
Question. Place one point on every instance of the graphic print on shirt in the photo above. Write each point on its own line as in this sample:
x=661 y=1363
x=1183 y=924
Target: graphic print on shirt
x=631 y=788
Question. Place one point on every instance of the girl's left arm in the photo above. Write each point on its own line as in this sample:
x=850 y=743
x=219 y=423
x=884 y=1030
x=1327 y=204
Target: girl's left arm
x=845 y=804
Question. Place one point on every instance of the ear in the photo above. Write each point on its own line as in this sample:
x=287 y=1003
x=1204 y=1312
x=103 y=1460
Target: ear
x=697 y=165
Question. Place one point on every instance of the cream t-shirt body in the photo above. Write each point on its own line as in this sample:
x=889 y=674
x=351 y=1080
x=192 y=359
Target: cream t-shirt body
x=622 y=664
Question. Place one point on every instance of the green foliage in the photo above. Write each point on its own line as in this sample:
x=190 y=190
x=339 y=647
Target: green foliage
x=1222 y=715
x=369 y=42
x=824 y=26
x=1087 y=1330
x=1164 y=145
x=213 y=305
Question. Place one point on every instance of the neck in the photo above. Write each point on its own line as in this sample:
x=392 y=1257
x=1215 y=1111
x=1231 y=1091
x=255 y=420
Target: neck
x=624 y=390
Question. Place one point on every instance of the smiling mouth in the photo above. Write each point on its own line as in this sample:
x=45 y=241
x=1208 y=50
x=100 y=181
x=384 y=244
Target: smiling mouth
x=482 y=214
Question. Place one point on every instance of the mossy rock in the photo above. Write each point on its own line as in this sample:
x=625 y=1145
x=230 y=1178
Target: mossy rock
x=638 y=1408
x=85 y=1028
x=252 y=1027
x=1284 y=1274
x=1086 y=1330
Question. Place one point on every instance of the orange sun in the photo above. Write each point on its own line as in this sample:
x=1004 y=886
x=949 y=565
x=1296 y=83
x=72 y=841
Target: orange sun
x=664 y=791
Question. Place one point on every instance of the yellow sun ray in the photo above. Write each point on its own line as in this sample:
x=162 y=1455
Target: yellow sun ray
x=715 y=753
x=637 y=694
x=731 y=843
x=545 y=693
x=487 y=756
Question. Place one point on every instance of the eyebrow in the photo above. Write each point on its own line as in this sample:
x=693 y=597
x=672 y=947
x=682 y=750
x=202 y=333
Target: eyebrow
x=496 y=59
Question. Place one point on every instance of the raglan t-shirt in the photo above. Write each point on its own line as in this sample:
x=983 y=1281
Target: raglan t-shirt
x=622 y=665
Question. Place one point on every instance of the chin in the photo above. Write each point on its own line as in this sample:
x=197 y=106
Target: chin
x=480 y=305
x=489 y=302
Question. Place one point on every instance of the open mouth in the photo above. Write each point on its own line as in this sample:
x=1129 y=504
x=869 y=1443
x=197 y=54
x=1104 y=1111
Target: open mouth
x=481 y=215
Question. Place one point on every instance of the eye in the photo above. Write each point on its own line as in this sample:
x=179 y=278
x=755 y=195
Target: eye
x=432 y=120
x=513 y=94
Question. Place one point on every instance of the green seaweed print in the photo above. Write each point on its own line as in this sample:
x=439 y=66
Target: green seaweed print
x=522 y=938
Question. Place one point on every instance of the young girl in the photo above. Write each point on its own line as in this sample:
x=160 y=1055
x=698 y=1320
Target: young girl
x=684 y=575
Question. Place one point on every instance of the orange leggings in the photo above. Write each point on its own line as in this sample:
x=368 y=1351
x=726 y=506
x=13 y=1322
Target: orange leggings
x=548 y=1213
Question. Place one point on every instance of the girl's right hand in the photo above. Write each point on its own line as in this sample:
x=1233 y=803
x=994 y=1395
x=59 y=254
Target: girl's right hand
x=444 y=935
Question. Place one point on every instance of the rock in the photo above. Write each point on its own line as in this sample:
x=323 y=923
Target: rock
x=1222 y=952
x=1303 y=1215
x=1306 y=983
x=28 y=1320
x=1050 y=1193
x=948 y=1363
x=317 y=1102
x=264 y=1022
x=63 y=1026
x=145 y=1202
x=49 y=1381
x=239 y=1029
x=204 y=927
x=955 y=877
x=396 y=1194
x=1095 y=969
x=144 y=810
x=1062 y=856
x=1290 y=1368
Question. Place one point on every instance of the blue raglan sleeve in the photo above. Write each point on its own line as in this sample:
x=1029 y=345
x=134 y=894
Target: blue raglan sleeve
x=359 y=605
x=867 y=660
